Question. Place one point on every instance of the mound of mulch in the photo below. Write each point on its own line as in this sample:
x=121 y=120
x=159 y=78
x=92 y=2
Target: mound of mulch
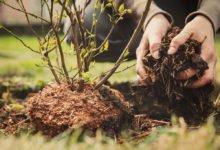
x=163 y=87
x=59 y=107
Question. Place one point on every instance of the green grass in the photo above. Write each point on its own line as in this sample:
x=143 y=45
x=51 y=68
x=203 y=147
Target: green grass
x=14 y=57
x=176 y=137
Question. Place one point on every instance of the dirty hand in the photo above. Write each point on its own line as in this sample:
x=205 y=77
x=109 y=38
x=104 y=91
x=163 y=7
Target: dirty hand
x=198 y=29
x=153 y=34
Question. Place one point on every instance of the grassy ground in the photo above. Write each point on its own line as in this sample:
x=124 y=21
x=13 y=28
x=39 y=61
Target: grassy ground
x=19 y=64
x=15 y=58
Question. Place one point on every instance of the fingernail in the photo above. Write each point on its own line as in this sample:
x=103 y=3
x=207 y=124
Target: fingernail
x=171 y=50
x=156 y=55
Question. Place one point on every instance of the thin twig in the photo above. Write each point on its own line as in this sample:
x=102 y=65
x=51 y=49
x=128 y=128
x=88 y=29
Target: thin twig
x=19 y=39
x=75 y=40
x=81 y=26
x=76 y=48
x=87 y=2
x=91 y=55
x=62 y=11
x=132 y=40
x=126 y=68
x=31 y=14
x=52 y=69
x=58 y=41
x=28 y=20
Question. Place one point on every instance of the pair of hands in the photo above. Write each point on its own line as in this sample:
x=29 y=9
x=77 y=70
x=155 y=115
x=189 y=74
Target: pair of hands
x=200 y=27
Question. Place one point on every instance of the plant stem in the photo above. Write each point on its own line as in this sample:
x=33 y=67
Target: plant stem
x=82 y=31
x=75 y=39
x=54 y=28
x=19 y=39
x=76 y=48
x=52 y=69
x=28 y=20
x=132 y=40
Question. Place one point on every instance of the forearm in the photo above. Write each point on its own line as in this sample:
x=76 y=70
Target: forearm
x=209 y=9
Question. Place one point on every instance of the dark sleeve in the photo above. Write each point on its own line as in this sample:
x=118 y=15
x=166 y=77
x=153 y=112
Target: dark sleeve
x=138 y=6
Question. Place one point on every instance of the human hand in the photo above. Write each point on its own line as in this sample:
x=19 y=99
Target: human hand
x=151 y=40
x=194 y=31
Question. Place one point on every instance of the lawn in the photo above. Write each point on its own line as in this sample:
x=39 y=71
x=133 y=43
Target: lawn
x=19 y=64
x=16 y=59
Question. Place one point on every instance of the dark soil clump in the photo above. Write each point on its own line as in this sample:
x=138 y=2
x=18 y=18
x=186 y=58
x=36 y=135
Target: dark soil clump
x=165 y=89
x=59 y=107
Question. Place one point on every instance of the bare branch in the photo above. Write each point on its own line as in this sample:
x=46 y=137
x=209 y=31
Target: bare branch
x=75 y=40
x=131 y=41
x=52 y=68
x=28 y=20
x=19 y=39
x=76 y=48
x=81 y=26
x=58 y=40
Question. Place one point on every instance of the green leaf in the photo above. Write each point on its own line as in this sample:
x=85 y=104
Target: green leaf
x=129 y=11
x=109 y=5
x=83 y=52
x=106 y=46
x=94 y=20
x=121 y=8
x=102 y=8
x=91 y=36
x=96 y=4
x=85 y=76
x=16 y=107
x=92 y=44
x=110 y=18
x=126 y=53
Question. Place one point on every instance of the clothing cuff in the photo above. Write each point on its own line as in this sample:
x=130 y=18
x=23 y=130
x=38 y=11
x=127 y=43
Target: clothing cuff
x=149 y=17
x=204 y=14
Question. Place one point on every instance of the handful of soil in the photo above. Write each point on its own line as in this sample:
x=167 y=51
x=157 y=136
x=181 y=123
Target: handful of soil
x=162 y=82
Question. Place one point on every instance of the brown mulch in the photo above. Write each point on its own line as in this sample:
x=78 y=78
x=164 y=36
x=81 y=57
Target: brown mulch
x=59 y=107
x=163 y=87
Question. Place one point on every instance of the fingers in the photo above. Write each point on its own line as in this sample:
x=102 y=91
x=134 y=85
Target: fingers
x=206 y=79
x=186 y=74
x=141 y=73
x=154 y=45
x=148 y=42
x=142 y=50
x=178 y=40
x=208 y=54
x=140 y=53
x=183 y=36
